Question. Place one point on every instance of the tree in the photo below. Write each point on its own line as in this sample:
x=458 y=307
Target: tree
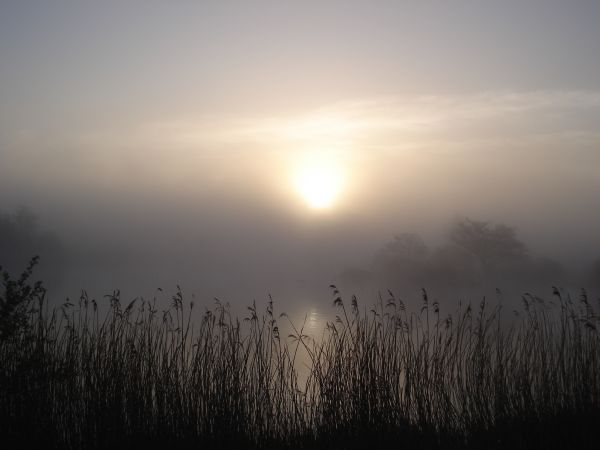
x=495 y=245
x=402 y=260
x=16 y=299
x=454 y=267
x=405 y=246
x=21 y=239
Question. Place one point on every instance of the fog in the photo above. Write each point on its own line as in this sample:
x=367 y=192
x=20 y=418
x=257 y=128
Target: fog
x=168 y=154
x=233 y=227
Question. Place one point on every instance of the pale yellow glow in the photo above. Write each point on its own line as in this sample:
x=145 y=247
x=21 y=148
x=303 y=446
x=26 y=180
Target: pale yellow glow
x=321 y=128
x=319 y=186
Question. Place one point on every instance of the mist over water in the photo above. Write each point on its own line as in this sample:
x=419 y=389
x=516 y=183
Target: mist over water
x=168 y=151
x=240 y=250
x=243 y=235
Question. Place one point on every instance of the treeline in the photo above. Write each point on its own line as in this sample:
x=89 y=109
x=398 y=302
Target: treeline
x=475 y=254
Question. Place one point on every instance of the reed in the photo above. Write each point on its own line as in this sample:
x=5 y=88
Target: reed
x=134 y=376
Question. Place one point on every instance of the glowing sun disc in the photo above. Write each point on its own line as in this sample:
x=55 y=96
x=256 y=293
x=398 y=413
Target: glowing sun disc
x=318 y=187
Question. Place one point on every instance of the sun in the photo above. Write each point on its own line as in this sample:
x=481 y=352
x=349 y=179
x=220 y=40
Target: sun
x=319 y=186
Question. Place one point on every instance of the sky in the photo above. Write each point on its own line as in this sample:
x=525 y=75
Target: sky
x=248 y=148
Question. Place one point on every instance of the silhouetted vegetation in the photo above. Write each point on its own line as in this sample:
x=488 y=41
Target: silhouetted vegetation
x=21 y=236
x=476 y=254
x=138 y=377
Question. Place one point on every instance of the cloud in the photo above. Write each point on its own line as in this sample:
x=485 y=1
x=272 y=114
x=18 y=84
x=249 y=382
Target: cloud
x=392 y=123
x=195 y=154
x=370 y=122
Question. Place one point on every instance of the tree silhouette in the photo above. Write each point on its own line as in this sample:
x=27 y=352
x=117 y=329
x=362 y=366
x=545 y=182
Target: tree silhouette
x=404 y=246
x=494 y=245
x=21 y=239
x=403 y=260
x=16 y=298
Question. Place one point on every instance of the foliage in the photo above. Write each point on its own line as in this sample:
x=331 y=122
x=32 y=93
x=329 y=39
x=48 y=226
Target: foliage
x=492 y=244
x=21 y=236
x=478 y=254
x=17 y=299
